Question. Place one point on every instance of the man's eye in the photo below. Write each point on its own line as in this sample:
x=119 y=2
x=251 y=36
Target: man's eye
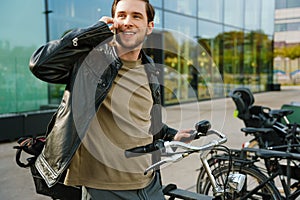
x=121 y=16
x=137 y=16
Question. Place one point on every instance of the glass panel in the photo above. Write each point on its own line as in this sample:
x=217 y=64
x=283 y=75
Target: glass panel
x=252 y=14
x=182 y=24
x=208 y=29
x=293 y=26
x=187 y=7
x=234 y=12
x=267 y=17
x=156 y=3
x=180 y=71
x=280 y=27
x=287 y=27
x=266 y=61
x=211 y=9
x=158 y=20
x=293 y=3
x=251 y=60
x=279 y=4
x=71 y=14
x=180 y=40
x=233 y=51
x=209 y=38
x=20 y=90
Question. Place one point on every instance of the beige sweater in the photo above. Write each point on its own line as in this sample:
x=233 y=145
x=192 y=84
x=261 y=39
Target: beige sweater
x=122 y=122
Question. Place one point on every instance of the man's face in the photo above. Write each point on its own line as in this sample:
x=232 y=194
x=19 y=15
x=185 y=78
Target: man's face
x=133 y=26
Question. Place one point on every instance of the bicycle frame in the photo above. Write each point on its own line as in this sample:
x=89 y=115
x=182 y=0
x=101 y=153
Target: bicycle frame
x=275 y=169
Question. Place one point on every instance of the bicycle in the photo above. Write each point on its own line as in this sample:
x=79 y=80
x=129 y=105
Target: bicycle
x=282 y=169
x=232 y=184
x=285 y=172
x=272 y=169
x=252 y=189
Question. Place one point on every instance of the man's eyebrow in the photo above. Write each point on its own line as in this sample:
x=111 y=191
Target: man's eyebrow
x=137 y=13
x=134 y=13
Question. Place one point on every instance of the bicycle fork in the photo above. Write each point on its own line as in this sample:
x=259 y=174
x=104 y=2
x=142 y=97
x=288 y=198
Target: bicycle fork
x=234 y=181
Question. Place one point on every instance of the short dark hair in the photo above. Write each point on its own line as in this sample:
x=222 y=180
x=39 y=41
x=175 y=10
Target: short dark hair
x=149 y=9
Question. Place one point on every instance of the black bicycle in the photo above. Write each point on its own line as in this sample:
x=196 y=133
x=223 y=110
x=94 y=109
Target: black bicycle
x=276 y=167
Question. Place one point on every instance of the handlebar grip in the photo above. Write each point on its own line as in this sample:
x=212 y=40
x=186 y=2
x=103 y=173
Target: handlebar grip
x=138 y=151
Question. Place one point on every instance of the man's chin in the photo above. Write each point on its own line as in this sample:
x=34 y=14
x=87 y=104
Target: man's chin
x=130 y=46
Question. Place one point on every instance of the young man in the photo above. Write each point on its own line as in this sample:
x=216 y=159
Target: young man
x=110 y=104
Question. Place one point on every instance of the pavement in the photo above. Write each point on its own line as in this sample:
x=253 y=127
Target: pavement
x=17 y=184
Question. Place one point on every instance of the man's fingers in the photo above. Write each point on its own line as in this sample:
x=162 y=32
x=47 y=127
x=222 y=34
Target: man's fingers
x=107 y=20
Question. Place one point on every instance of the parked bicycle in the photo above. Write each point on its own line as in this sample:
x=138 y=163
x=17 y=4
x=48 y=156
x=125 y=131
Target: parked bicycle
x=226 y=184
x=281 y=170
x=268 y=132
x=277 y=168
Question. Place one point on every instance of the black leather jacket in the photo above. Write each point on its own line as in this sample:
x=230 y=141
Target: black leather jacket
x=88 y=68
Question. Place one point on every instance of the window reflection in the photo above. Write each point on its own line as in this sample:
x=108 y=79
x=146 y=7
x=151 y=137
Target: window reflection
x=180 y=71
x=19 y=90
x=234 y=12
x=247 y=58
x=158 y=19
x=267 y=16
x=156 y=3
x=233 y=56
x=187 y=7
x=209 y=60
x=182 y=24
x=72 y=14
x=207 y=11
x=252 y=14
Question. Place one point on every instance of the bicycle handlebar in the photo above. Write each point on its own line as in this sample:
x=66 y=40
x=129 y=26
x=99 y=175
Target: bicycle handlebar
x=171 y=156
x=166 y=148
x=201 y=129
x=222 y=139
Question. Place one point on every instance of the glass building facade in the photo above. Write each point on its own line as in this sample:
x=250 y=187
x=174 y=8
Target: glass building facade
x=287 y=42
x=206 y=47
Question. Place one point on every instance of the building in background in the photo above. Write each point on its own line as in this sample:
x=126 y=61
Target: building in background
x=236 y=39
x=287 y=42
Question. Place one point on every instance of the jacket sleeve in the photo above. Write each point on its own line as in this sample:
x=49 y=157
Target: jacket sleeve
x=169 y=133
x=54 y=61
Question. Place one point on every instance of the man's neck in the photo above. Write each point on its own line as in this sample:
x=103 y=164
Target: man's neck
x=131 y=55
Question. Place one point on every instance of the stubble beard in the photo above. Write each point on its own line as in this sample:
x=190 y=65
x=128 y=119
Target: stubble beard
x=132 y=46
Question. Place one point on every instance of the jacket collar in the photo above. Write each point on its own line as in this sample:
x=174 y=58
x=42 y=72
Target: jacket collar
x=150 y=63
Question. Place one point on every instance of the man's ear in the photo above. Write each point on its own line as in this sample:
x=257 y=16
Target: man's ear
x=150 y=27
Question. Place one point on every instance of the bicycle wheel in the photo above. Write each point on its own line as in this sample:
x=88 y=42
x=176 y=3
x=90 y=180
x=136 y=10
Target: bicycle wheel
x=253 y=178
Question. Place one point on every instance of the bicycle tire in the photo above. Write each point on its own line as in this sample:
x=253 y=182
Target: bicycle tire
x=253 y=177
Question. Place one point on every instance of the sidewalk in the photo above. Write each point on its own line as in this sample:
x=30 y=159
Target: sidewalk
x=17 y=184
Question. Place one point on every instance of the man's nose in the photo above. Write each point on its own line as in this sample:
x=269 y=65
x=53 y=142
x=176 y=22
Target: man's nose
x=128 y=21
